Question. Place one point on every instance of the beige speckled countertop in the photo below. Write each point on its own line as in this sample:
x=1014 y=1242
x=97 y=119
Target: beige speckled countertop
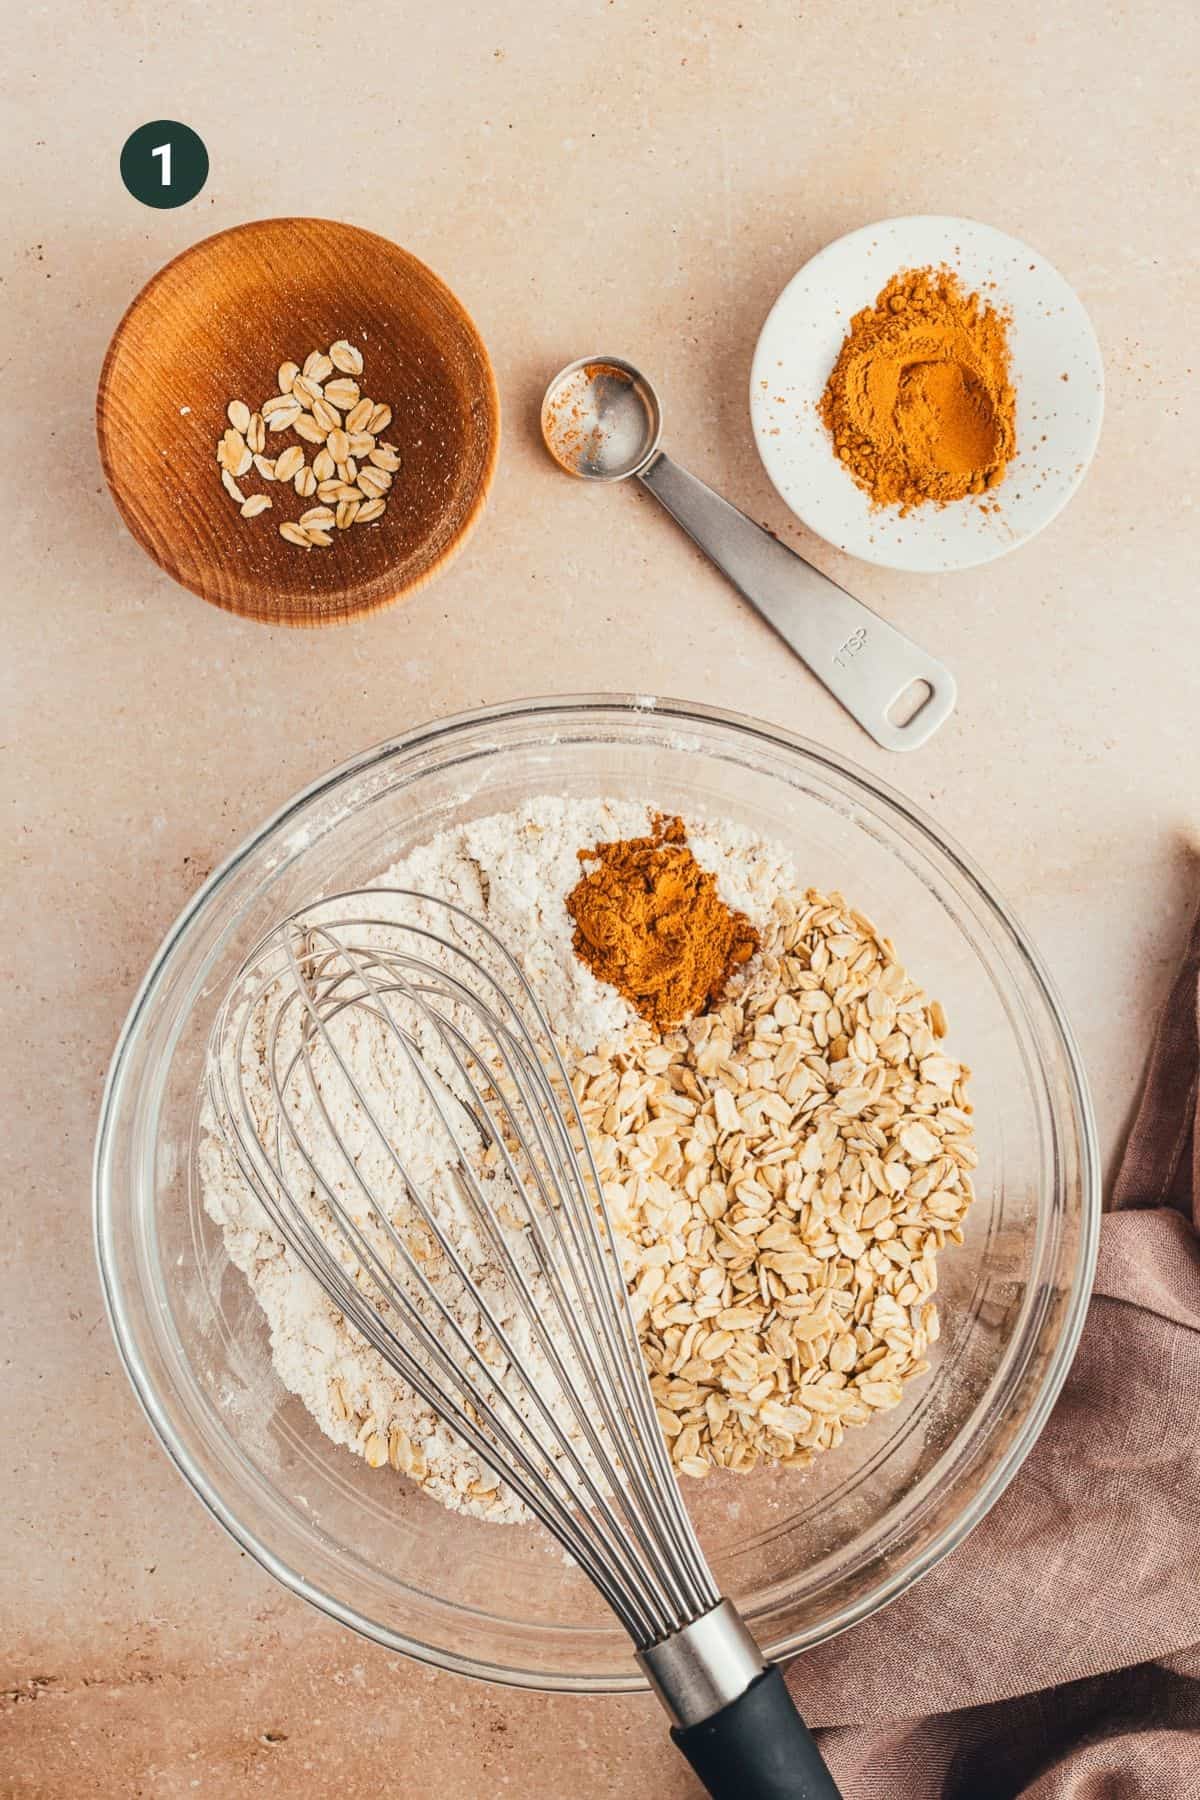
x=585 y=175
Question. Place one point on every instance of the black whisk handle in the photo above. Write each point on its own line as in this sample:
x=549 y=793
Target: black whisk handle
x=758 y=1748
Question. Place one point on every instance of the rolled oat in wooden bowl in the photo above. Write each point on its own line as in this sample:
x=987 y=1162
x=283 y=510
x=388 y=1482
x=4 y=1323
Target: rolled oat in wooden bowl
x=298 y=421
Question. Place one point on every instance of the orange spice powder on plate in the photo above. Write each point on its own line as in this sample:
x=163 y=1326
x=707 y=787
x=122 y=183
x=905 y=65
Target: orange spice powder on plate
x=920 y=404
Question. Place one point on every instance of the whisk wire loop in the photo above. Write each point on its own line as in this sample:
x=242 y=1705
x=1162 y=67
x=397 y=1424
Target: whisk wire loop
x=503 y=1449
x=586 y=1488
x=578 y=1441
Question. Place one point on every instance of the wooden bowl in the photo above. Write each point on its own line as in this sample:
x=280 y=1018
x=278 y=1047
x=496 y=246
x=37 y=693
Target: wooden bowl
x=214 y=326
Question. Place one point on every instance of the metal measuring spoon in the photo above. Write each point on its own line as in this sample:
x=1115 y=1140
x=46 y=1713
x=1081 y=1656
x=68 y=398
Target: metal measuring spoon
x=601 y=420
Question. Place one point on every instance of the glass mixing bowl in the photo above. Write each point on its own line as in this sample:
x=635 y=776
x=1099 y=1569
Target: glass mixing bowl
x=803 y=1552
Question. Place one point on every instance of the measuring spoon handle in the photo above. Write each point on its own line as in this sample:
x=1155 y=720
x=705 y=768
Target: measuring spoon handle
x=864 y=662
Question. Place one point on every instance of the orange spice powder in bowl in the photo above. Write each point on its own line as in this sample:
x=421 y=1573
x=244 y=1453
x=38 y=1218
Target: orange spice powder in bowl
x=649 y=920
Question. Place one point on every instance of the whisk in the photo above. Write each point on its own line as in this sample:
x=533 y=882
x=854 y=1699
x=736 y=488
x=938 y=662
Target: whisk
x=460 y=1226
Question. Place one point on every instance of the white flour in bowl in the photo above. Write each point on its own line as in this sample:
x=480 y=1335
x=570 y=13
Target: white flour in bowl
x=514 y=870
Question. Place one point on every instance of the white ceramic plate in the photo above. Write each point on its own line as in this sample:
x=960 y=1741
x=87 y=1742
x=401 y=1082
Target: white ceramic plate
x=1057 y=373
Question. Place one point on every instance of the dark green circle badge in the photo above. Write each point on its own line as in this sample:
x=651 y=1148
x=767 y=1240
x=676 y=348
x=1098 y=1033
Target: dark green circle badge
x=164 y=163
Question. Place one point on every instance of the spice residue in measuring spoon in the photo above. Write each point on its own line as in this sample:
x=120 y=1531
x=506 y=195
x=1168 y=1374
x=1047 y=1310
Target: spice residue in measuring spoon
x=580 y=421
x=649 y=921
x=920 y=404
